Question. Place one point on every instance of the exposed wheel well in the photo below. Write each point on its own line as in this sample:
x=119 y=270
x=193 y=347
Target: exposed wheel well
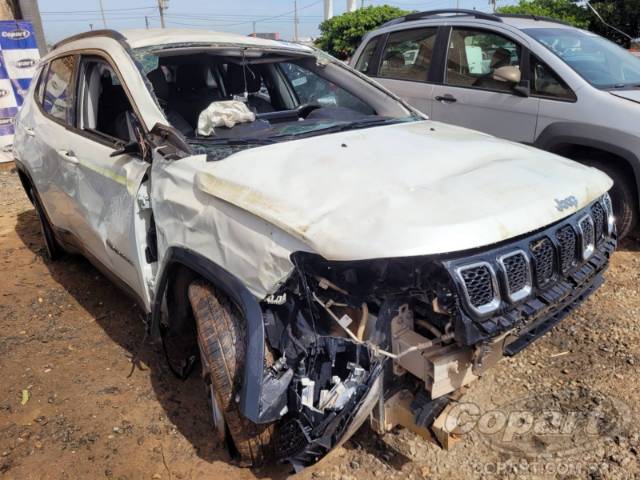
x=181 y=316
x=26 y=184
x=594 y=156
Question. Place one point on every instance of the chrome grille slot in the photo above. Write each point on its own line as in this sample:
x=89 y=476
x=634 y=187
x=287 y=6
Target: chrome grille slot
x=599 y=221
x=480 y=287
x=566 y=237
x=517 y=274
x=543 y=255
x=587 y=236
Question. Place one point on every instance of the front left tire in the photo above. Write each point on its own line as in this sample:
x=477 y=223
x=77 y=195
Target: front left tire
x=222 y=340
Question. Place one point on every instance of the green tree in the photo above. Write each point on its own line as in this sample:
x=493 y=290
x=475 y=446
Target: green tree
x=341 y=35
x=565 y=10
x=622 y=14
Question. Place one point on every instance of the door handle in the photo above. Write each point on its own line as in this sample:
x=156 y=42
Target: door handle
x=29 y=131
x=69 y=156
x=446 y=98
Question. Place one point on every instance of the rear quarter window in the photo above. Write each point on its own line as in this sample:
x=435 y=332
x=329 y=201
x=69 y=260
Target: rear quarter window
x=57 y=98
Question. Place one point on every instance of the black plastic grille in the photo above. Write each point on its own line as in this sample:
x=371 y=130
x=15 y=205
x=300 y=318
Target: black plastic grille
x=517 y=272
x=479 y=286
x=599 y=220
x=588 y=233
x=566 y=237
x=543 y=259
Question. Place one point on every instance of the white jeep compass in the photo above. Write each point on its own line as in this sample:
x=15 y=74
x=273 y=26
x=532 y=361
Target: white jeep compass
x=327 y=253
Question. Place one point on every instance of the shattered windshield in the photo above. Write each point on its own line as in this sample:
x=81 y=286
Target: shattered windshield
x=225 y=100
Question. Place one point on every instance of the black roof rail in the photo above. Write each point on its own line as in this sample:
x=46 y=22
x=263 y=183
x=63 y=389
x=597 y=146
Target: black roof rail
x=537 y=18
x=93 y=33
x=455 y=11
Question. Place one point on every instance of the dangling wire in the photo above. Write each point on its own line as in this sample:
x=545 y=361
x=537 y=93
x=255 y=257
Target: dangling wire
x=244 y=74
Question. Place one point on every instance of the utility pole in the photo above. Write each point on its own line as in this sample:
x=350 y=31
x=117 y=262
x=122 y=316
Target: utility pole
x=254 y=28
x=162 y=6
x=146 y=21
x=295 y=20
x=104 y=20
x=328 y=9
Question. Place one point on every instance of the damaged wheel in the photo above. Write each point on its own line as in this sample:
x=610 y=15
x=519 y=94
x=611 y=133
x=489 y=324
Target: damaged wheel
x=221 y=337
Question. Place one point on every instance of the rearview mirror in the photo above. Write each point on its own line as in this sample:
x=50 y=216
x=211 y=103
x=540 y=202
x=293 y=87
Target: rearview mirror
x=131 y=148
x=509 y=74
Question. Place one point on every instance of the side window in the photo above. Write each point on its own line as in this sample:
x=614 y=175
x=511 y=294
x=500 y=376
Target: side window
x=545 y=82
x=311 y=88
x=407 y=54
x=482 y=59
x=58 y=98
x=104 y=107
x=362 y=65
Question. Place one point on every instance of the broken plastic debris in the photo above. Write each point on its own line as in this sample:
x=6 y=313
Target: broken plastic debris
x=25 y=397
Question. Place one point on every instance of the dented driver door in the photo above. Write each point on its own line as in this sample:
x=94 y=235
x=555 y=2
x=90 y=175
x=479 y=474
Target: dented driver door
x=112 y=219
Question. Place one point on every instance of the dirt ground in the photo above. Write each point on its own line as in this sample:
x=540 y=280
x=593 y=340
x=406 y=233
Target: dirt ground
x=100 y=403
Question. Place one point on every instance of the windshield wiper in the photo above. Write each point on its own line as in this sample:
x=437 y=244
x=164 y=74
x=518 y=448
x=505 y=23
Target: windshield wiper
x=343 y=127
x=234 y=141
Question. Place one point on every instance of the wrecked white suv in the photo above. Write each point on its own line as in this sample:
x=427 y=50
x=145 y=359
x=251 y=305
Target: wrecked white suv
x=328 y=253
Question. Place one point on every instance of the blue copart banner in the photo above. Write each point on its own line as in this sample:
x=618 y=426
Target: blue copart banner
x=18 y=59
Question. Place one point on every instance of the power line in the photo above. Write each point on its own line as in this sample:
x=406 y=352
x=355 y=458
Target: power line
x=68 y=12
x=104 y=20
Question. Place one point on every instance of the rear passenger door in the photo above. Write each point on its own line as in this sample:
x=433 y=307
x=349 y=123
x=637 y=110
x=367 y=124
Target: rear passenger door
x=404 y=65
x=46 y=130
x=472 y=93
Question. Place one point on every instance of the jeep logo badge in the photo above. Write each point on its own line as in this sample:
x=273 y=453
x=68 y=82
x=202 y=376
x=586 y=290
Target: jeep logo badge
x=567 y=202
x=18 y=34
x=25 y=63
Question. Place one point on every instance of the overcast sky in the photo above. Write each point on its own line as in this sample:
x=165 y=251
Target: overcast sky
x=62 y=18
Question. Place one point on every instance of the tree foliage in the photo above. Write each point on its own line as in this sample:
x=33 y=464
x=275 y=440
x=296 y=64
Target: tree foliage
x=341 y=35
x=564 y=10
x=622 y=14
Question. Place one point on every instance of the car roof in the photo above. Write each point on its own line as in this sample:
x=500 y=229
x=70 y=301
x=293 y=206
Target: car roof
x=451 y=16
x=533 y=22
x=139 y=38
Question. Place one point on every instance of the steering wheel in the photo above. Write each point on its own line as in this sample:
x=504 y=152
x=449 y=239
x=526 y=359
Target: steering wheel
x=306 y=108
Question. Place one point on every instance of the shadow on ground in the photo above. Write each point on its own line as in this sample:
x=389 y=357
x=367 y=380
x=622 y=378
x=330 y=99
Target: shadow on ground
x=185 y=401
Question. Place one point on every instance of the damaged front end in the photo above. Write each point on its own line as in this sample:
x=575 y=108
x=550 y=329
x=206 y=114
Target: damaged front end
x=395 y=339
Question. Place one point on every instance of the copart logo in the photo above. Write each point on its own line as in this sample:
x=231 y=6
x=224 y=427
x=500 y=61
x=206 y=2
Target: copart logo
x=568 y=202
x=19 y=34
x=25 y=63
x=560 y=423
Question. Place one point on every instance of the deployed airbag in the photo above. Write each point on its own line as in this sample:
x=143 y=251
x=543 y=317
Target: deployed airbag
x=223 y=114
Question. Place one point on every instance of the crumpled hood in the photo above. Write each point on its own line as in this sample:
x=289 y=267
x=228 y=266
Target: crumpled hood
x=400 y=190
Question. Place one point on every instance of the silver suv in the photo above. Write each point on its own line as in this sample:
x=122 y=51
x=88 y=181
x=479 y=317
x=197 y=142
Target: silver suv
x=528 y=79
